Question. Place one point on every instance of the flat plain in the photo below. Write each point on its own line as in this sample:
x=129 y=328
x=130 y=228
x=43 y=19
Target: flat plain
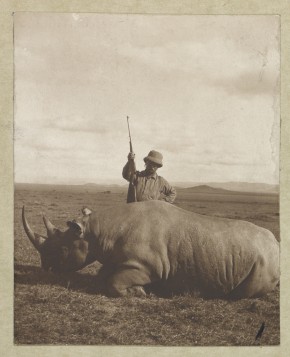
x=67 y=309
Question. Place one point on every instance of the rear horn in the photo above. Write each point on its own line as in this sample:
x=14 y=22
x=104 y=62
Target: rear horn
x=51 y=229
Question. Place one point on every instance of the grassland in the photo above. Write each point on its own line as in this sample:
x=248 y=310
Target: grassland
x=50 y=309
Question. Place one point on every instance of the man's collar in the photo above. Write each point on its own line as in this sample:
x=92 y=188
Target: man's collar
x=153 y=176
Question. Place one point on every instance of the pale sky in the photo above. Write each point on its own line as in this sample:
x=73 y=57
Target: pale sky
x=202 y=90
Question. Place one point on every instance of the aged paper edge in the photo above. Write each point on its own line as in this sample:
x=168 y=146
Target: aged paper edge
x=172 y=7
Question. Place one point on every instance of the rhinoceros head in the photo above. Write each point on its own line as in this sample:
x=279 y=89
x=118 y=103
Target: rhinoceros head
x=60 y=251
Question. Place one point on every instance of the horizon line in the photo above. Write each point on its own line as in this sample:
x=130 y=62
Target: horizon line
x=125 y=183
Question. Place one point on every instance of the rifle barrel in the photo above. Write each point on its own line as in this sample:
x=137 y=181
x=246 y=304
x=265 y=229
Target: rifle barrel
x=131 y=148
x=128 y=127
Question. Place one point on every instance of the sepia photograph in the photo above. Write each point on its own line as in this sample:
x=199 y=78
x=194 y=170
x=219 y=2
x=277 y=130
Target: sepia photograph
x=146 y=179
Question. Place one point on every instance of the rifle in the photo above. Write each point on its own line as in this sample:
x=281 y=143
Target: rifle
x=131 y=195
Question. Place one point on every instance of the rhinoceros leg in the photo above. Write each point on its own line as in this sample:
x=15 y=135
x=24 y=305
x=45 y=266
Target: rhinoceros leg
x=136 y=291
x=128 y=282
x=260 y=281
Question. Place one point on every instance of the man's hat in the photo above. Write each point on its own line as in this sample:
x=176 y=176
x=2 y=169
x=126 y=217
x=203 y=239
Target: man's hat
x=154 y=156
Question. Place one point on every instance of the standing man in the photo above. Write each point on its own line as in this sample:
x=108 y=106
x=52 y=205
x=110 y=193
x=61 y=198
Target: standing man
x=148 y=185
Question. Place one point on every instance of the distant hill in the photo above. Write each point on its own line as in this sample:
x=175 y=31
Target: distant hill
x=247 y=187
x=231 y=186
x=205 y=189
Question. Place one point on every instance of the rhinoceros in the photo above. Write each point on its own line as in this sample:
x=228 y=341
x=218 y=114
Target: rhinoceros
x=157 y=244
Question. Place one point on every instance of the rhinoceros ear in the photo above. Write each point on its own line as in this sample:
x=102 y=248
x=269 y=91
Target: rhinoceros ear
x=86 y=211
x=75 y=226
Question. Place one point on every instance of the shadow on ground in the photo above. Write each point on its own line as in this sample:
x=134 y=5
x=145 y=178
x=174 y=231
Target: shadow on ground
x=78 y=281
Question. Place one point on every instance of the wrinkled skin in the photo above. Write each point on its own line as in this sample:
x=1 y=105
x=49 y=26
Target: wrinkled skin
x=159 y=245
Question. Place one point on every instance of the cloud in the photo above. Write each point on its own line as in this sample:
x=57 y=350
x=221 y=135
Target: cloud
x=258 y=79
x=240 y=63
x=197 y=88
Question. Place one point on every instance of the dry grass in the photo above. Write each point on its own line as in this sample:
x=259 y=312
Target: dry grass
x=52 y=309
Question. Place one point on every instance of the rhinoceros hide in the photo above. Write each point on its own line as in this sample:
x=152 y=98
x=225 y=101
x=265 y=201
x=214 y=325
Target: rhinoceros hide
x=158 y=245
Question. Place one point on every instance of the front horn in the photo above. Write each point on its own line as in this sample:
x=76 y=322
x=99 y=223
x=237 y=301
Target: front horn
x=36 y=239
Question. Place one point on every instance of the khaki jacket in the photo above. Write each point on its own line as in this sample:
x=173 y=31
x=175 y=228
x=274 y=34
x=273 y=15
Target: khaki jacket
x=153 y=187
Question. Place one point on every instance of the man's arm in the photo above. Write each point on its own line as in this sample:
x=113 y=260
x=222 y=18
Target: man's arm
x=128 y=169
x=168 y=191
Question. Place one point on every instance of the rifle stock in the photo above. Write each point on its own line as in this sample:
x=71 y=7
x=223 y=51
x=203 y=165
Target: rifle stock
x=131 y=195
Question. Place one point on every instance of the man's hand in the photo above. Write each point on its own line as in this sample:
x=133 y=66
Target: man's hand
x=131 y=156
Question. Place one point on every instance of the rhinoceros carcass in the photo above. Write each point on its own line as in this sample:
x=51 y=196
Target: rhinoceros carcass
x=154 y=243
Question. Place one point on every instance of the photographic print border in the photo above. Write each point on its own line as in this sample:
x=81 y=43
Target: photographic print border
x=206 y=7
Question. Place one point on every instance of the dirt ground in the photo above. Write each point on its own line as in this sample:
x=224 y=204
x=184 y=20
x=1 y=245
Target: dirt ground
x=50 y=309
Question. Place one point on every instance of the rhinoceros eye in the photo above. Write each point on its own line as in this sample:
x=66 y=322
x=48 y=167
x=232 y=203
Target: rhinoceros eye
x=74 y=227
